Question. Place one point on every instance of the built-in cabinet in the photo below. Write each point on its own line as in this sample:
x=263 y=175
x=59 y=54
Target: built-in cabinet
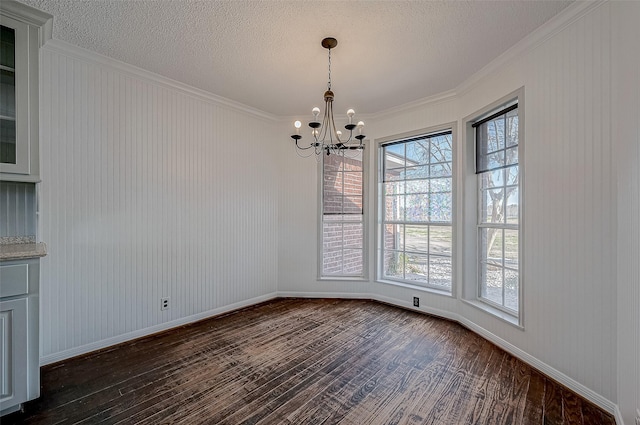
x=19 y=353
x=22 y=31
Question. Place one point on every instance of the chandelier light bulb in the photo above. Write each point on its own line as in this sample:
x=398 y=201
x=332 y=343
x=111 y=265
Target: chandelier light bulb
x=350 y=114
x=316 y=112
x=297 y=124
x=339 y=133
x=360 y=126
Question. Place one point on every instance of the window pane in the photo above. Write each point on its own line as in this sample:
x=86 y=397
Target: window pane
x=492 y=206
x=416 y=268
x=394 y=188
x=352 y=262
x=332 y=205
x=495 y=134
x=352 y=235
x=441 y=149
x=417 y=152
x=440 y=238
x=332 y=184
x=512 y=175
x=7 y=93
x=512 y=205
x=332 y=261
x=417 y=172
x=394 y=156
x=491 y=245
x=440 y=271
x=511 y=156
x=417 y=208
x=440 y=207
x=417 y=186
x=492 y=283
x=441 y=170
x=393 y=264
x=511 y=249
x=416 y=238
x=353 y=162
x=512 y=128
x=394 y=237
x=7 y=141
x=440 y=185
x=511 y=289
x=332 y=163
x=332 y=235
x=7 y=47
x=394 y=208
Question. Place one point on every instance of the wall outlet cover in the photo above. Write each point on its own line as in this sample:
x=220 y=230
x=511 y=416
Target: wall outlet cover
x=416 y=302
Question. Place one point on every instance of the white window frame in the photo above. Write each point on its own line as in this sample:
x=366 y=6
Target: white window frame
x=364 y=276
x=471 y=248
x=379 y=213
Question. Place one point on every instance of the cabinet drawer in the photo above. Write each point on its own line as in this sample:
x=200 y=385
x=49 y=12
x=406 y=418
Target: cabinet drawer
x=14 y=280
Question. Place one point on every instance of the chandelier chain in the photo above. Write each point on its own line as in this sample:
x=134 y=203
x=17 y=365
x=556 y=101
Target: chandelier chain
x=329 y=84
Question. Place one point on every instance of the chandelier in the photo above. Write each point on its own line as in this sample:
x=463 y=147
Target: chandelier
x=325 y=136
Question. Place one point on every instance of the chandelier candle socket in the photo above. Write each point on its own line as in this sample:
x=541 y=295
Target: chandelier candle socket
x=325 y=136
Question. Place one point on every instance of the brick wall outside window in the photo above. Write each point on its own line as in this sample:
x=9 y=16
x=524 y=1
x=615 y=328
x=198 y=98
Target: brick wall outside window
x=342 y=215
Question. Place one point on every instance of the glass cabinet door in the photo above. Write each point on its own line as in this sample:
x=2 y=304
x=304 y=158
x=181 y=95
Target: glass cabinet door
x=7 y=95
x=14 y=96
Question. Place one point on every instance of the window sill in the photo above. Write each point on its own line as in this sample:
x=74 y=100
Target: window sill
x=504 y=316
x=343 y=278
x=417 y=288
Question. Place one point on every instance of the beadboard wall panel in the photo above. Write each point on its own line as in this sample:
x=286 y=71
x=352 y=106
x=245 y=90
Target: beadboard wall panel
x=147 y=192
x=18 y=209
x=569 y=202
x=626 y=135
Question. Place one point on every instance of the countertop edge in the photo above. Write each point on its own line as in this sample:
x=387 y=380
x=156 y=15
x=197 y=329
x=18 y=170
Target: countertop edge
x=22 y=251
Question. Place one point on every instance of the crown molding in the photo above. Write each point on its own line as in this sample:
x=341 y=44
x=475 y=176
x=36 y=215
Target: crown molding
x=29 y=15
x=70 y=50
x=547 y=30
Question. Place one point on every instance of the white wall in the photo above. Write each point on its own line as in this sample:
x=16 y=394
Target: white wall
x=149 y=189
x=570 y=204
x=625 y=115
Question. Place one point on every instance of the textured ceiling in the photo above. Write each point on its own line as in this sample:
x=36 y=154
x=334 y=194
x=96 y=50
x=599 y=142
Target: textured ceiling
x=267 y=54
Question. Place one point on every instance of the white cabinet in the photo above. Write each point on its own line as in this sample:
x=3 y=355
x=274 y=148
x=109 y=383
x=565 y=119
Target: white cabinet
x=19 y=336
x=22 y=31
x=13 y=349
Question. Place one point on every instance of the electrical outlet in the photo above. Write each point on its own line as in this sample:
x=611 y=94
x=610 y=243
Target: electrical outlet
x=164 y=303
x=416 y=302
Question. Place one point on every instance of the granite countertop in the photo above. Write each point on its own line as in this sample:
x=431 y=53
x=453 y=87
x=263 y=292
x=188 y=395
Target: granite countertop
x=21 y=247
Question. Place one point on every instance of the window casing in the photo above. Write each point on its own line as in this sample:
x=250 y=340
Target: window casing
x=416 y=211
x=498 y=204
x=343 y=221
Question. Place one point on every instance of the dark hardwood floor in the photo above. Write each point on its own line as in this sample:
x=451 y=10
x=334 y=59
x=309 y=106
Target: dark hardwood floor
x=293 y=361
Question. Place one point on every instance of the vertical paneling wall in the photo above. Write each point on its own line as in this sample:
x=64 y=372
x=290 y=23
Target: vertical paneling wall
x=626 y=135
x=568 y=200
x=148 y=191
x=18 y=209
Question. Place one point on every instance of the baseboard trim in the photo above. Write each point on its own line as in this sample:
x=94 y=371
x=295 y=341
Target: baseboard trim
x=534 y=362
x=98 y=345
x=554 y=374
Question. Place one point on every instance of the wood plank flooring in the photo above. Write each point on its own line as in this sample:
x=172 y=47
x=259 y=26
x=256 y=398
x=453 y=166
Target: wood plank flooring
x=293 y=361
